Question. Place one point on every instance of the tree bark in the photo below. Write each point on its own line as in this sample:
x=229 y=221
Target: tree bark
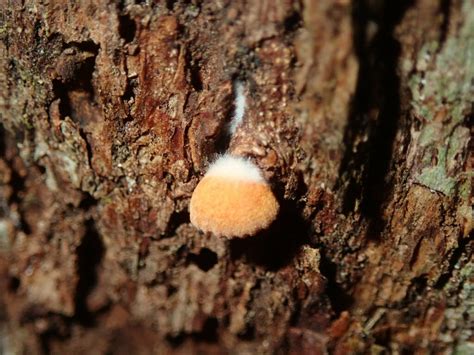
x=360 y=115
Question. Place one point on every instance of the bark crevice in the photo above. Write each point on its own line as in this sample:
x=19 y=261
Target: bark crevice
x=375 y=111
x=89 y=256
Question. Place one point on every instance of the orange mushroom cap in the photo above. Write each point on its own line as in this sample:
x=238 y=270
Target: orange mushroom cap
x=233 y=199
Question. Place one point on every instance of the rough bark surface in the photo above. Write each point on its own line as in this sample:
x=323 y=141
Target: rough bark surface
x=360 y=115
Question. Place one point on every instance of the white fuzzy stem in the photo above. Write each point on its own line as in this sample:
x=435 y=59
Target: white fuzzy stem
x=240 y=106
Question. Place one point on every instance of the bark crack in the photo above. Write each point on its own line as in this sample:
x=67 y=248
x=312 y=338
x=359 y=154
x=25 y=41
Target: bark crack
x=375 y=112
x=89 y=256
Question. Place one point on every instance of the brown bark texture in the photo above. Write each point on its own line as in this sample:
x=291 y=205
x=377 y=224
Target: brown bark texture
x=360 y=115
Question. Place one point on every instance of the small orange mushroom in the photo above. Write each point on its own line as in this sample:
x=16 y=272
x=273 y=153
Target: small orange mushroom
x=233 y=199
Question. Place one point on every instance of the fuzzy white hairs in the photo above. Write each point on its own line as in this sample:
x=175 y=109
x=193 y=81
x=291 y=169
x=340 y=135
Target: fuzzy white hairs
x=236 y=168
x=240 y=104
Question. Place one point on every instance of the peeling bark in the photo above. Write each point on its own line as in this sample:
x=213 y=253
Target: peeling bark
x=359 y=115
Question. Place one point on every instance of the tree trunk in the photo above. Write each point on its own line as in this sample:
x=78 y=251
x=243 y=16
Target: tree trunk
x=359 y=114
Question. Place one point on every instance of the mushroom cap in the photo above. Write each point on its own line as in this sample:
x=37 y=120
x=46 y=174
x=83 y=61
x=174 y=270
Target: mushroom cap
x=233 y=199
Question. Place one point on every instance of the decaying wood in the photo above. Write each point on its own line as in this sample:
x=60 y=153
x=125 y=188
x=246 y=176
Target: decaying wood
x=359 y=114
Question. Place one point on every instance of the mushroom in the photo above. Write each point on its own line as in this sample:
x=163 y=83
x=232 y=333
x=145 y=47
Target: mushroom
x=233 y=199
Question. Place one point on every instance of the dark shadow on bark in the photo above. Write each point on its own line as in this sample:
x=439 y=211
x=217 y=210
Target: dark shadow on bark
x=466 y=249
x=340 y=299
x=205 y=260
x=177 y=219
x=194 y=69
x=375 y=110
x=79 y=80
x=275 y=247
x=127 y=28
x=445 y=9
x=89 y=256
